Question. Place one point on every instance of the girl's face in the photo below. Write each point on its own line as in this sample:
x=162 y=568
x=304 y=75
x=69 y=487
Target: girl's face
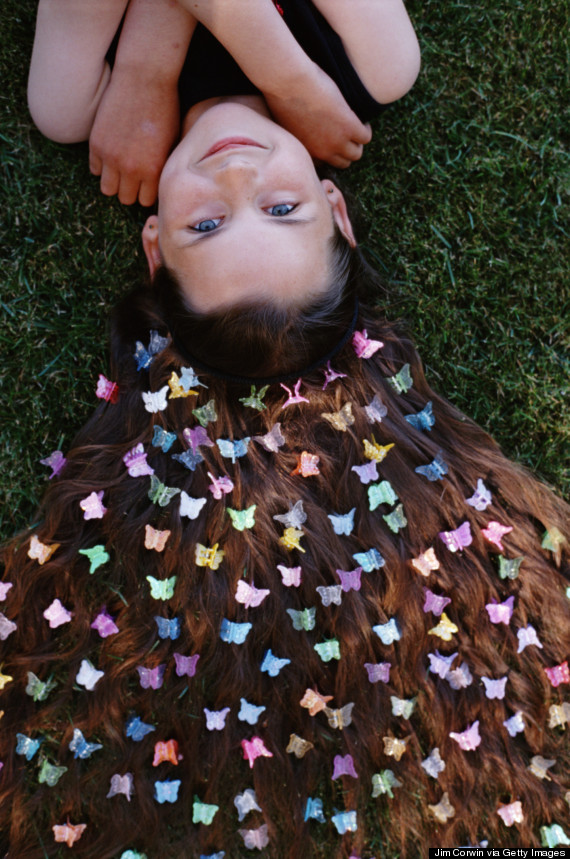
x=242 y=213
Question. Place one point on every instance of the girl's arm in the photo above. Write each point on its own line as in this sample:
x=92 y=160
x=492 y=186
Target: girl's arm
x=299 y=94
x=138 y=120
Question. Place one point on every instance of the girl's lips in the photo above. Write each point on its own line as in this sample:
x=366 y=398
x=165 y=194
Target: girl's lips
x=228 y=142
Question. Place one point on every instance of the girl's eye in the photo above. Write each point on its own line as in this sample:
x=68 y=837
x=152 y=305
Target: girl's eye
x=206 y=226
x=281 y=209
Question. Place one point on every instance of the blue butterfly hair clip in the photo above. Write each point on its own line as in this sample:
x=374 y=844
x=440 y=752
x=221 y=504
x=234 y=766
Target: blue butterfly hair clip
x=272 y=665
x=423 y=420
x=136 y=729
x=80 y=747
x=234 y=633
x=435 y=470
x=233 y=449
x=370 y=560
x=163 y=439
x=168 y=627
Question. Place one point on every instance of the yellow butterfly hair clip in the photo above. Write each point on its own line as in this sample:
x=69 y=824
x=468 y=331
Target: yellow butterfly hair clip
x=176 y=389
x=342 y=419
x=290 y=539
x=206 y=557
x=375 y=451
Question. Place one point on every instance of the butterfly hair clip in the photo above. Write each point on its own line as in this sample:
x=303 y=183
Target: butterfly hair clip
x=445 y=629
x=381 y=493
x=331 y=594
x=426 y=562
x=328 y=650
x=469 y=739
x=435 y=470
x=250 y=596
x=559 y=715
x=88 y=675
x=162 y=439
x=68 y=833
x=255 y=399
x=512 y=813
x=433 y=764
x=481 y=497
x=314 y=702
x=394 y=747
x=290 y=576
x=97 y=556
x=203 y=812
x=186 y=665
x=206 y=414
x=168 y=628
x=298 y=746
x=155 y=401
x=340 y=718
x=374 y=451
x=161 y=494
x=106 y=390
x=38 y=689
x=403 y=707
x=246 y=802
x=558 y=674
x=439 y=664
x=402 y=381
x=388 y=632
x=4 y=588
x=370 y=560
x=234 y=633
x=423 y=420
x=494 y=532
x=434 y=602
x=155 y=539
x=539 y=767
x=272 y=440
x=249 y=713
x=272 y=665
x=190 y=507
x=26 y=746
x=294 y=396
x=302 y=620
x=253 y=749
x=383 y=782
x=494 y=688
x=177 y=391
x=7 y=627
x=144 y=356
x=444 y=810
x=378 y=671
x=243 y=519
x=197 y=437
x=56 y=461
x=345 y=821
x=220 y=486
x=121 y=784
x=255 y=838
x=501 y=612
x=136 y=729
x=166 y=791
x=459 y=678
x=340 y=420
x=396 y=520
x=92 y=506
x=188 y=459
x=343 y=765
x=39 y=551
x=151 y=678
x=553 y=836
x=291 y=538
x=4 y=680
x=367 y=472
x=209 y=557
x=343 y=523
x=363 y=345
x=166 y=752
x=57 y=614
x=314 y=810
x=458 y=539
x=331 y=375
x=80 y=747
x=233 y=449
x=350 y=579
x=515 y=725
x=135 y=461
x=527 y=635
x=104 y=624
x=307 y=464
x=50 y=774
x=295 y=516
x=162 y=589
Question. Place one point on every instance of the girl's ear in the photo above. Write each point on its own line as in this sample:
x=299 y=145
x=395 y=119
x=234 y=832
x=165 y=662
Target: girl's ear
x=150 y=244
x=340 y=212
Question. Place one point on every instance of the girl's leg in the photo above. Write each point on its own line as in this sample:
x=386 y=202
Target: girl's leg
x=68 y=72
x=380 y=42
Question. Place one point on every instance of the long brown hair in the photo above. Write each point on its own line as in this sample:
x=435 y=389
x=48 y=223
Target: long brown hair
x=211 y=767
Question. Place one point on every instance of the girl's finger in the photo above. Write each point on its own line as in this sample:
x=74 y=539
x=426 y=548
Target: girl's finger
x=128 y=189
x=110 y=181
x=148 y=192
x=95 y=164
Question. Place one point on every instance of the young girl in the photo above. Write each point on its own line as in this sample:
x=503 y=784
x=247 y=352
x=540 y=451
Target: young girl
x=282 y=596
x=324 y=69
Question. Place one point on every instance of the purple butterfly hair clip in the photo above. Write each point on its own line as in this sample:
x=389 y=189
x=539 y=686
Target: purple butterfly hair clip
x=343 y=765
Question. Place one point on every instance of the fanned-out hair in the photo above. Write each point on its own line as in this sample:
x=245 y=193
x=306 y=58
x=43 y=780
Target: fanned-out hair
x=454 y=722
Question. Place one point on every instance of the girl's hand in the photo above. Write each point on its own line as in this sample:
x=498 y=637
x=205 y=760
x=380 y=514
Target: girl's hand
x=135 y=127
x=315 y=111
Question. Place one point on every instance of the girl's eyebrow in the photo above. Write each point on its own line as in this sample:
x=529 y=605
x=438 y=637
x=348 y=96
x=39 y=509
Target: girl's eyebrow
x=283 y=221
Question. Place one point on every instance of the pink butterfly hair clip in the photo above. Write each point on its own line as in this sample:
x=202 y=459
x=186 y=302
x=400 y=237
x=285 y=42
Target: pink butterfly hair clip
x=494 y=532
x=511 y=813
x=501 y=612
x=253 y=749
x=469 y=739
x=307 y=464
x=92 y=506
x=363 y=346
x=458 y=539
x=107 y=390
x=558 y=674
x=294 y=396
x=331 y=375
x=56 y=461
x=68 y=833
x=135 y=461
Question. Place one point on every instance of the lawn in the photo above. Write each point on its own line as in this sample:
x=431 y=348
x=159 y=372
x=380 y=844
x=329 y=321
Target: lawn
x=465 y=191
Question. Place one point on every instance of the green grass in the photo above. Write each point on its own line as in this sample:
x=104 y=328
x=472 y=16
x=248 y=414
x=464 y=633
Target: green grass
x=465 y=190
